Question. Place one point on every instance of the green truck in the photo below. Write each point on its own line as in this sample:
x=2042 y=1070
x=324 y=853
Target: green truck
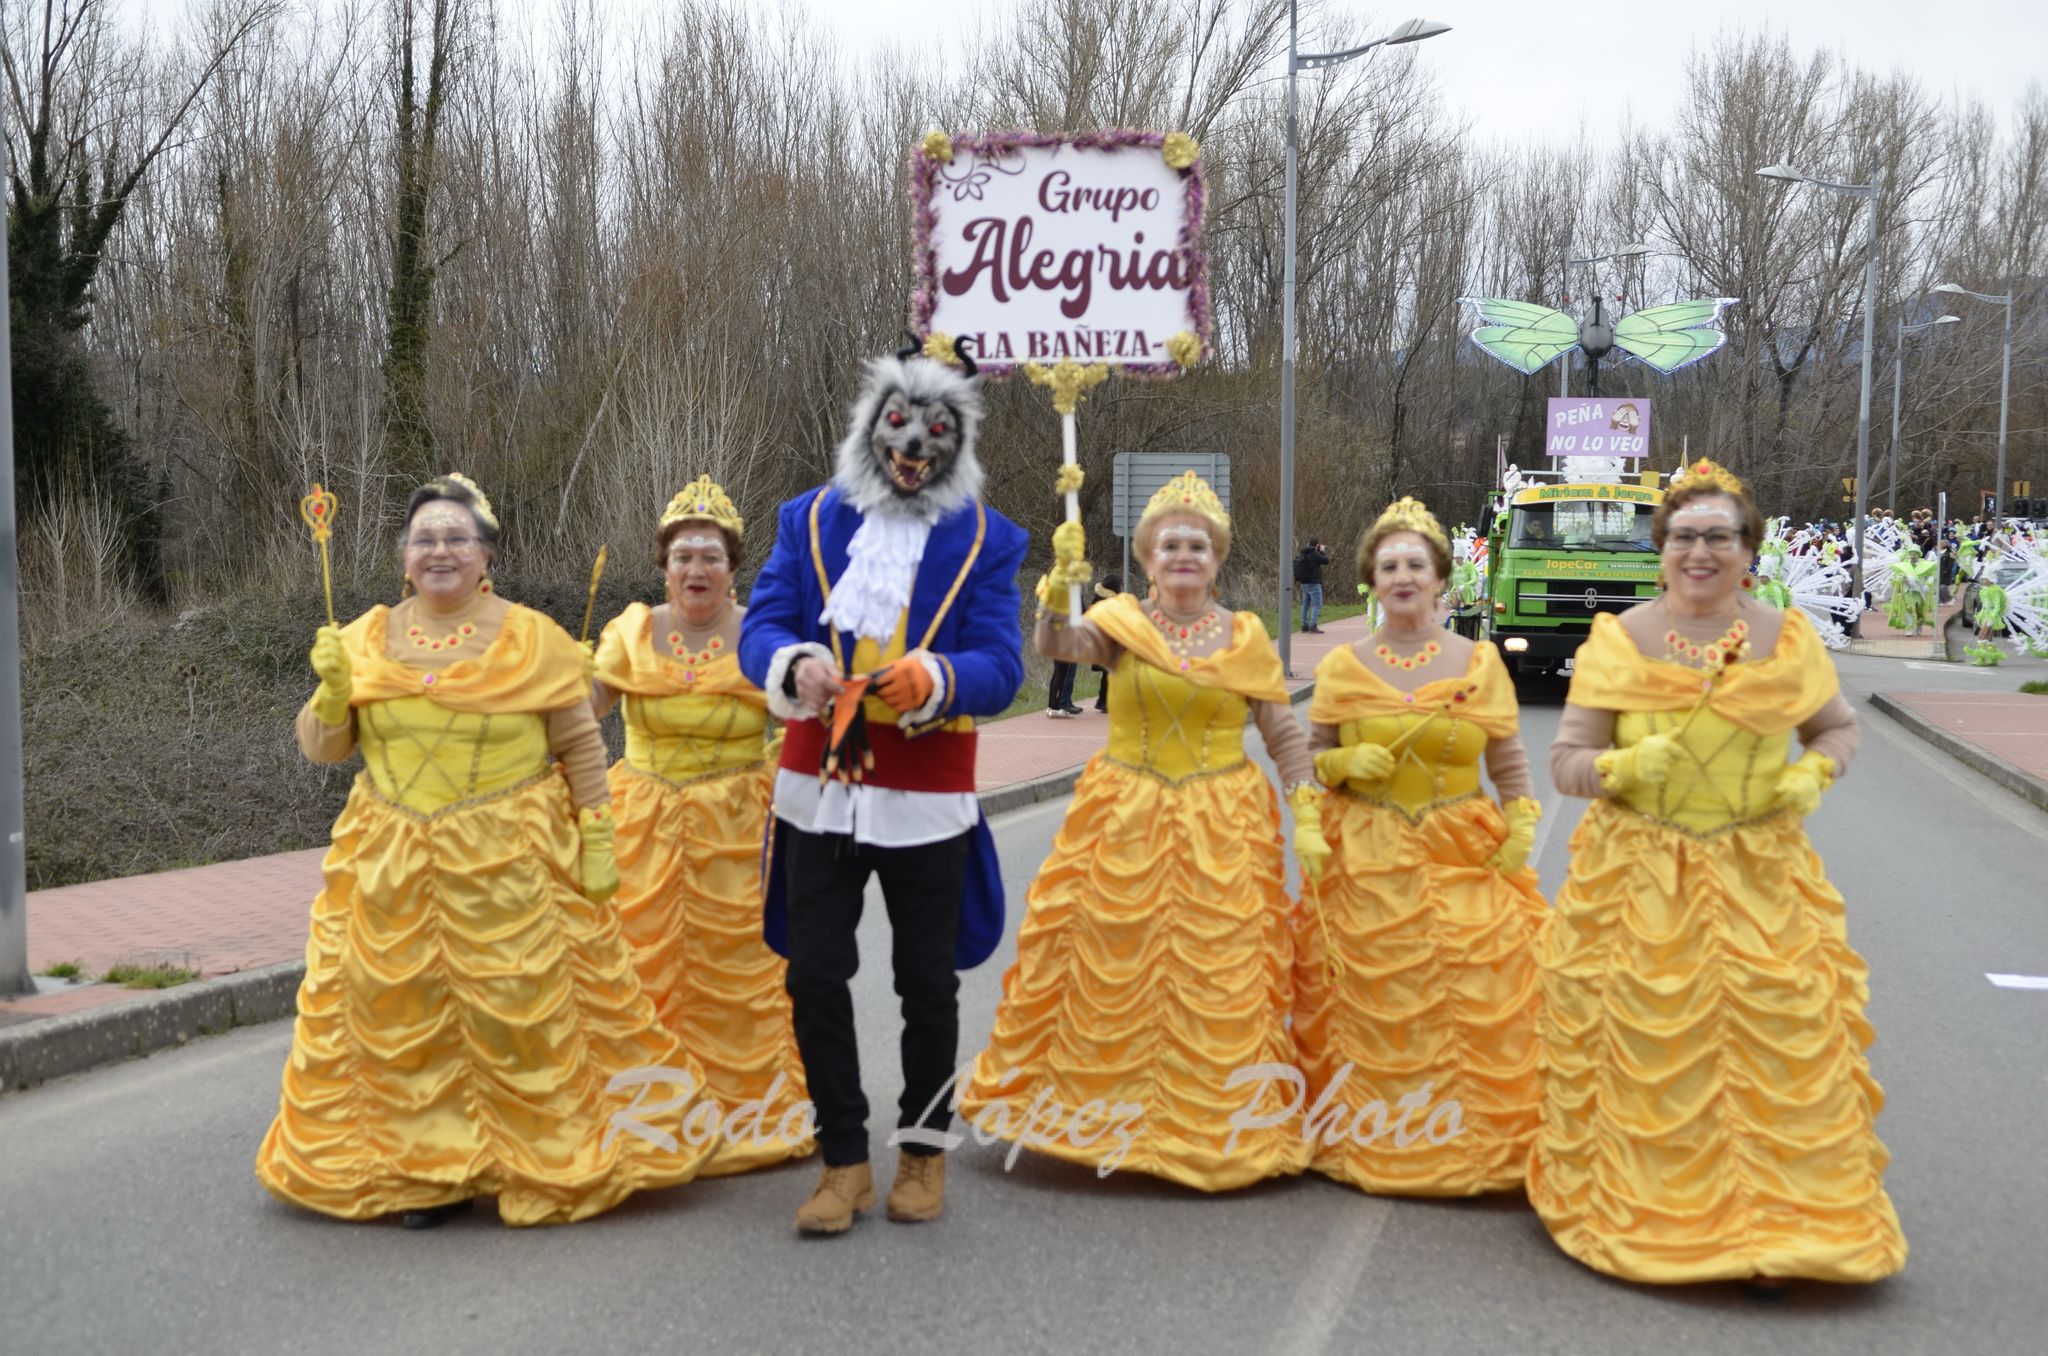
x=1556 y=556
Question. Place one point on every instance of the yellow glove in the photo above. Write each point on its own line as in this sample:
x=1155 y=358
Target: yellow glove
x=1354 y=763
x=1647 y=762
x=1310 y=847
x=1521 y=813
x=1801 y=783
x=330 y=661
x=1069 y=544
x=600 y=869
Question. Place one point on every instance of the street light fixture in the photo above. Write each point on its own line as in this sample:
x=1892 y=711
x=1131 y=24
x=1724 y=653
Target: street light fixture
x=1415 y=30
x=1868 y=192
x=1898 y=374
x=1635 y=251
x=2004 y=387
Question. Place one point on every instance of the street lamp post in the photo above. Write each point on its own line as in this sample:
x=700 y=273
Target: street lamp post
x=2004 y=388
x=1636 y=251
x=1415 y=30
x=1891 y=489
x=1868 y=192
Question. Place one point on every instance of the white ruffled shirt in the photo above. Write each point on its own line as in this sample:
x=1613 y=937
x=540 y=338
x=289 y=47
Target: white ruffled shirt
x=868 y=601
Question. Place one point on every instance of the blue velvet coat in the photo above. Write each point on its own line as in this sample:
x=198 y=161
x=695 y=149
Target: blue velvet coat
x=978 y=638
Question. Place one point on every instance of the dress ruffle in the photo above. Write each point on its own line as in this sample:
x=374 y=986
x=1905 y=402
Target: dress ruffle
x=1152 y=965
x=689 y=901
x=1708 y=1110
x=1439 y=995
x=463 y=1011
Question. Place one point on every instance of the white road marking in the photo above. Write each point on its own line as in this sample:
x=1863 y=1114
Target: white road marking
x=1331 y=1283
x=2018 y=981
x=1543 y=827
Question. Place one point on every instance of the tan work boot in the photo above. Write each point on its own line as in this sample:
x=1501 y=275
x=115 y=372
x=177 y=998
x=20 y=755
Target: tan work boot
x=841 y=1194
x=919 y=1191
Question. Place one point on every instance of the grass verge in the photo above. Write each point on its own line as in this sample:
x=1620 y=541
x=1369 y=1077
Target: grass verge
x=158 y=976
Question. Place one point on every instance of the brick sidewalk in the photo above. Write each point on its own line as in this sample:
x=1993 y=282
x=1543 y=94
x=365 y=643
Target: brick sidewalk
x=2011 y=727
x=237 y=916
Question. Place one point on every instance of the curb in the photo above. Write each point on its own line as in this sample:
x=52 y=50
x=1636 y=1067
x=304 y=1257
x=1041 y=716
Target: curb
x=2020 y=782
x=51 y=1047
x=40 y=1050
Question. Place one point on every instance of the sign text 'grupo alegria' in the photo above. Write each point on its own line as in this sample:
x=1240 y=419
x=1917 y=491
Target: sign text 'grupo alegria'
x=1040 y=248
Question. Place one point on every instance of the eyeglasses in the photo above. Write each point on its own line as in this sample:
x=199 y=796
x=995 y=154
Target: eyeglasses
x=455 y=546
x=1720 y=540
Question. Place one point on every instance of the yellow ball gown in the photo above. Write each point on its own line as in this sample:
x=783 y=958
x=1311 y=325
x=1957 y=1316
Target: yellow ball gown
x=1437 y=996
x=1152 y=962
x=690 y=800
x=1709 y=1112
x=465 y=1007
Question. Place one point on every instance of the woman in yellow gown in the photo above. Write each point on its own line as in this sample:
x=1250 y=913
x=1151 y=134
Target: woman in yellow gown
x=690 y=800
x=469 y=1002
x=1708 y=1110
x=1144 y=1021
x=1419 y=1041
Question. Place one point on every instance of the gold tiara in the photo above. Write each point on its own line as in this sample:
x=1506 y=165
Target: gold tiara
x=1705 y=472
x=1187 y=493
x=1408 y=514
x=483 y=504
x=703 y=499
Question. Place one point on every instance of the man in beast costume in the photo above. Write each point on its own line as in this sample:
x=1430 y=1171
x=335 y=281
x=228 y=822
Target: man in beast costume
x=884 y=621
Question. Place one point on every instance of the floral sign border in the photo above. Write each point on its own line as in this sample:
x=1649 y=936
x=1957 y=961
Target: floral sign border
x=928 y=163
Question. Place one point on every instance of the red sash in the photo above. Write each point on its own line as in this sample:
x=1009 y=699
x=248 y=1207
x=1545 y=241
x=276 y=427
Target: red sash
x=942 y=760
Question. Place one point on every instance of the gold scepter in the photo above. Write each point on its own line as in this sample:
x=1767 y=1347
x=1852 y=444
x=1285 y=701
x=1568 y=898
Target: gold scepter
x=316 y=510
x=590 y=603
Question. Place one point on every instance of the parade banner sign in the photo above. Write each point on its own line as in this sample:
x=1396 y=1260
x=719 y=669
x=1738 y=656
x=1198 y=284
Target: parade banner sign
x=1599 y=426
x=1042 y=248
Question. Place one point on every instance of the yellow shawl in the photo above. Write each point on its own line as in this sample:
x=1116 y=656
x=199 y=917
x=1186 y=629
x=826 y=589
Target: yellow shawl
x=1347 y=689
x=1248 y=665
x=1764 y=696
x=531 y=665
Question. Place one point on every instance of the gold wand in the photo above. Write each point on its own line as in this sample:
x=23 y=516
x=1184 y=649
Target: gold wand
x=317 y=512
x=590 y=603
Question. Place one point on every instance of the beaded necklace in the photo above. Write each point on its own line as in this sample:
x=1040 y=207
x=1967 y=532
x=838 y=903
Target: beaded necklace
x=417 y=634
x=1414 y=661
x=1726 y=648
x=682 y=651
x=1183 y=637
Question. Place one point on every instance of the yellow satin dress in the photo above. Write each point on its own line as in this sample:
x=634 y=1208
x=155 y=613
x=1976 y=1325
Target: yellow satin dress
x=1420 y=1052
x=465 y=1008
x=1709 y=1112
x=1152 y=962
x=690 y=800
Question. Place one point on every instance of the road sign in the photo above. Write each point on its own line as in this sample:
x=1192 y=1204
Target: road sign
x=1848 y=489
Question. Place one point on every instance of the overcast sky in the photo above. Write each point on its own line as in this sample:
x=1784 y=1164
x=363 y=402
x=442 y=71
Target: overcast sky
x=1536 y=70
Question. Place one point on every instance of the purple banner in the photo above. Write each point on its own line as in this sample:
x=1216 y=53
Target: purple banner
x=1598 y=426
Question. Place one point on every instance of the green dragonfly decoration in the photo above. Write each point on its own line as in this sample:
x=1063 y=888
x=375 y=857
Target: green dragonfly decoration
x=1528 y=337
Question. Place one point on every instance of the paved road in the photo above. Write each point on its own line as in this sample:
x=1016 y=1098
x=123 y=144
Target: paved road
x=129 y=1219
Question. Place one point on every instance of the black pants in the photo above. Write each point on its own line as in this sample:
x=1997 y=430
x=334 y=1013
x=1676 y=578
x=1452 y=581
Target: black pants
x=1060 y=694
x=827 y=877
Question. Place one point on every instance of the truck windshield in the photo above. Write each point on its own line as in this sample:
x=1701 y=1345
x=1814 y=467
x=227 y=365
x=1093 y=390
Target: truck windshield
x=1588 y=524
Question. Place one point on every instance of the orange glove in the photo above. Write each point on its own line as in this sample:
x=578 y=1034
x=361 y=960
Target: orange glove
x=905 y=684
